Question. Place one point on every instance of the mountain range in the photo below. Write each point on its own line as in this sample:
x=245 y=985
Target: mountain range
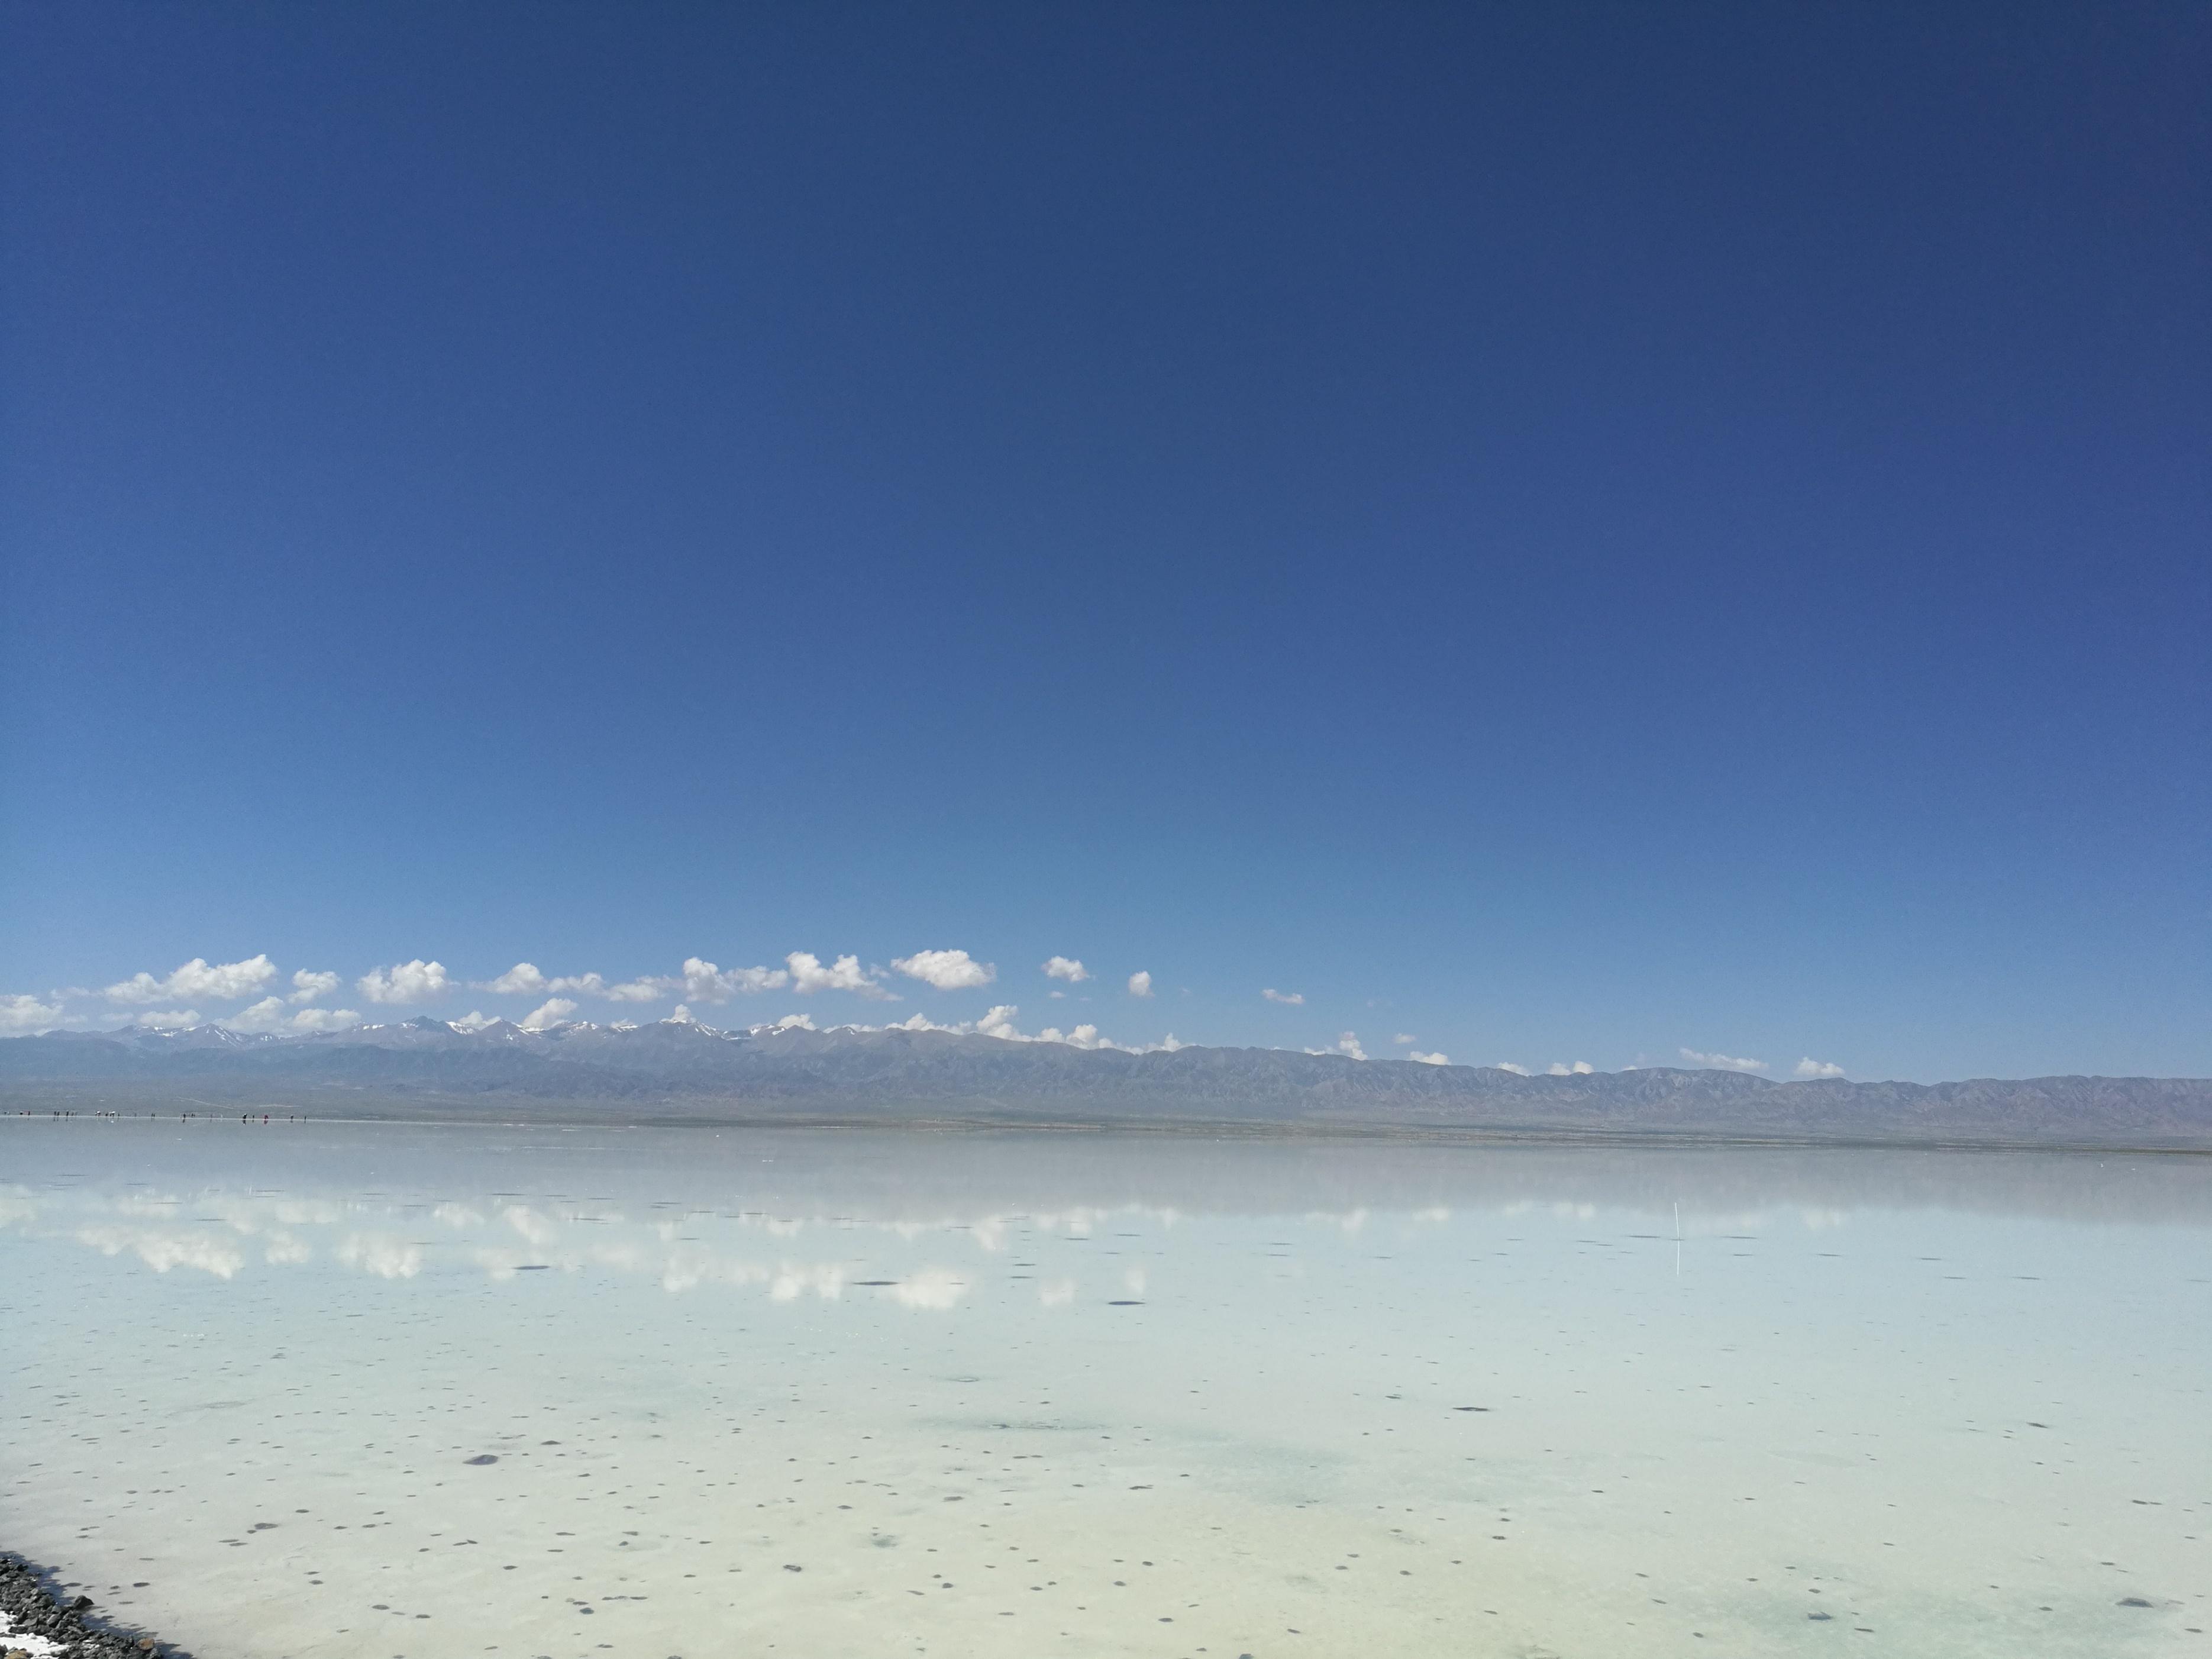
x=685 y=1071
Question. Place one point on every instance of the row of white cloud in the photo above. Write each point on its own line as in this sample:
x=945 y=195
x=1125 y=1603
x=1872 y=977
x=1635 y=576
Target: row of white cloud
x=997 y=1022
x=1809 y=1067
x=420 y=980
x=803 y=973
x=200 y=981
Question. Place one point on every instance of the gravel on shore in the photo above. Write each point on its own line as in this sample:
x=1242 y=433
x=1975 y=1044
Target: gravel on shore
x=37 y=1622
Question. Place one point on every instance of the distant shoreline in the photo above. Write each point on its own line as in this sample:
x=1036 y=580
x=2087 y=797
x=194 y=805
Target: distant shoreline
x=591 y=1114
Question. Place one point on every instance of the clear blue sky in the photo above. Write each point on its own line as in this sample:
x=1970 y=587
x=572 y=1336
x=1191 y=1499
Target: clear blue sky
x=1566 y=533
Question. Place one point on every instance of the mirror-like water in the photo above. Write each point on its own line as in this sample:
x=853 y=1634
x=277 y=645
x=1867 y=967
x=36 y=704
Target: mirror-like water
x=382 y=1390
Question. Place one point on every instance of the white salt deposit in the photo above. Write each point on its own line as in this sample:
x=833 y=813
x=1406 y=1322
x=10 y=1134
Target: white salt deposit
x=14 y=1640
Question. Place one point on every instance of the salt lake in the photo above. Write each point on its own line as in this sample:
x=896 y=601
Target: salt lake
x=389 y=1390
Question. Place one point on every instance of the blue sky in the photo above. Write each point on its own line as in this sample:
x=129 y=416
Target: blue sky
x=1564 y=533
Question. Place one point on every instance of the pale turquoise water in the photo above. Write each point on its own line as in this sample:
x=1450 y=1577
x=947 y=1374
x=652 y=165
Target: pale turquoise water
x=818 y=1393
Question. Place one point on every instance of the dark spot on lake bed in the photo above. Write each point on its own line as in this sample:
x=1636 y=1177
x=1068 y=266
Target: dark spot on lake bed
x=480 y=1460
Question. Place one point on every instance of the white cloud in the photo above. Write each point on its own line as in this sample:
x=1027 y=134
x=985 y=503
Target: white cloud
x=1082 y=1036
x=1404 y=1038
x=808 y=975
x=307 y=986
x=25 y=1013
x=948 y=970
x=1723 y=1062
x=795 y=1023
x=525 y=980
x=196 y=979
x=1430 y=1060
x=552 y=1012
x=1508 y=1065
x=409 y=981
x=472 y=1021
x=1810 y=1066
x=703 y=981
x=999 y=1022
x=1292 y=999
x=1348 y=1042
x=266 y=1015
x=1560 y=1068
x=269 y=1014
x=1140 y=983
x=1066 y=967
x=169 y=1019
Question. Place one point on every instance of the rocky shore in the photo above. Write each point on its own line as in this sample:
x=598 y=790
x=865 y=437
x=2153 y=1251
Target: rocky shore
x=34 y=1621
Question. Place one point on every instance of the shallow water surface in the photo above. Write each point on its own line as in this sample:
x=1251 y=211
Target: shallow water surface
x=387 y=1390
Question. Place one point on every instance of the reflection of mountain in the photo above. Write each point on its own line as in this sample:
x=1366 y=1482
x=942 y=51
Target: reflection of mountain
x=544 y=1185
x=675 y=1071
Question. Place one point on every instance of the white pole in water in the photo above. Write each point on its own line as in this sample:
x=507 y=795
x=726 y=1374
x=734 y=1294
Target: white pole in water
x=1677 y=1238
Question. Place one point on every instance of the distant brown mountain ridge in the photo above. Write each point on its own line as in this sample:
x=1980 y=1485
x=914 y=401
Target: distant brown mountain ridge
x=682 y=1071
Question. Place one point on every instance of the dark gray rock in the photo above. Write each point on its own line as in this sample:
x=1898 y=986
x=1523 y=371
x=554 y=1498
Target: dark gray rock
x=30 y=1605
